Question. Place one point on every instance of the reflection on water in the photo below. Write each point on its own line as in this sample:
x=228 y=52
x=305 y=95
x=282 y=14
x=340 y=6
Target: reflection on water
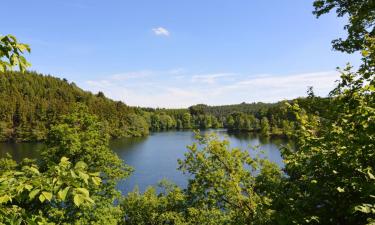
x=155 y=157
x=20 y=151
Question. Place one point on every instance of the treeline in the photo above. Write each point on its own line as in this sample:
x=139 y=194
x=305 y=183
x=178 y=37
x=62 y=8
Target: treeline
x=30 y=103
x=276 y=119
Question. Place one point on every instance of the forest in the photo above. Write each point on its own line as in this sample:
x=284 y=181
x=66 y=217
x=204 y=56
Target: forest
x=328 y=179
x=30 y=103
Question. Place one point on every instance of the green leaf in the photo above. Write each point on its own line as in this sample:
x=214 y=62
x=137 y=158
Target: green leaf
x=73 y=174
x=13 y=60
x=78 y=200
x=88 y=199
x=80 y=165
x=33 y=193
x=96 y=174
x=365 y=208
x=96 y=180
x=34 y=170
x=5 y=198
x=42 y=198
x=83 y=191
x=45 y=195
x=365 y=53
x=23 y=47
x=84 y=176
x=339 y=189
x=62 y=193
x=28 y=187
x=64 y=159
x=371 y=176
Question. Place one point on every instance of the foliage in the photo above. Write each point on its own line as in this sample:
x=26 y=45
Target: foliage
x=236 y=118
x=30 y=196
x=331 y=174
x=222 y=189
x=265 y=126
x=361 y=16
x=222 y=180
x=11 y=53
x=31 y=103
x=80 y=136
x=52 y=190
x=152 y=208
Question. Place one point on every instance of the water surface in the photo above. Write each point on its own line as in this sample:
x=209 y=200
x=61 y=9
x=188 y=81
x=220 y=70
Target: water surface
x=20 y=151
x=155 y=157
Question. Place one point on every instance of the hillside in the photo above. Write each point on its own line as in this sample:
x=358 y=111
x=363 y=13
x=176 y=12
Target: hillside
x=30 y=103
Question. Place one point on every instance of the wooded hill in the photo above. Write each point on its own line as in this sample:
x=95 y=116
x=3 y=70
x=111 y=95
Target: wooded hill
x=30 y=103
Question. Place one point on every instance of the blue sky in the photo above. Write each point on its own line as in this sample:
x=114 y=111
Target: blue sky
x=168 y=53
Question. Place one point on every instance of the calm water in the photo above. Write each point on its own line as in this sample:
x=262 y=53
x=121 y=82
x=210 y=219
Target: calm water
x=155 y=157
x=20 y=151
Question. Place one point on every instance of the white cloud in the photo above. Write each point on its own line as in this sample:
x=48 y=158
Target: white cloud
x=272 y=88
x=160 y=31
x=165 y=89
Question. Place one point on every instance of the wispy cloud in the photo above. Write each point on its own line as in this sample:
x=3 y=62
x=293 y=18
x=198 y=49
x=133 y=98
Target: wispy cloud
x=180 y=88
x=132 y=75
x=161 y=31
x=99 y=83
x=209 y=78
x=271 y=88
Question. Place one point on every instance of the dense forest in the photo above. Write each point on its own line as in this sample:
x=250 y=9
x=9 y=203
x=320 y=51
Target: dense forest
x=267 y=118
x=329 y=178
x=30 y=103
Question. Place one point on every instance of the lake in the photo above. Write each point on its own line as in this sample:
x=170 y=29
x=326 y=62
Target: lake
x=155 y=157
